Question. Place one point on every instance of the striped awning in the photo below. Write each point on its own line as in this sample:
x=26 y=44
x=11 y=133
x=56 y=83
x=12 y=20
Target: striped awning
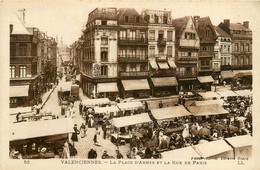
x=153 y=64
x=137 y=84
x=163 y=65
x=107 y=87
x=205 y=79
x=227 y=74
x=164 y=81
x=172 y=63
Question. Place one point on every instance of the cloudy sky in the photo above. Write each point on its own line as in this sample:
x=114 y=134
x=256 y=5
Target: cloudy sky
x=67 y=19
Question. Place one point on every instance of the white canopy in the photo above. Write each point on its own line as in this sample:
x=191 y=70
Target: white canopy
x=104 y=110
x=227 y=93
x=208 y=102
x=214 y=148
x=203 y=110
x=131 y=120
x=244 y=93
x=34 y=129
x=240 y=141
x=205 y=79
x=107 y=87
x=95 y=102
x=130 y=105
x=209 y=95
x=19 y=91
x=169 y=112
x=183 y=153
x=66 y=86
x=138 y=84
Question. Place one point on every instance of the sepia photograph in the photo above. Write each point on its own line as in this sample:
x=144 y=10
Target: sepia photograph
x=137 y=83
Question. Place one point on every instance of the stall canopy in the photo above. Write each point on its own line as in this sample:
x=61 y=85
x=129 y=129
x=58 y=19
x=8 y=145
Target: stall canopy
x=34 y=129
x=153 y=64
x=183 y=153
x=165 y=81
x=203 y=110
x=209 y=95
x=130 y=105
x=104 y=110
x=227 y=74
x=78 y=77
x=244 y=93
x=214 y=149
x=227 y=93
x=243 y=72
x=163 y=65
x=19 y=91
x=66 y=86
x=241 y=144
x=131 y=120
x=208 y=102
x=20 y=109
x=171 y=63
x=138 y=84
x=107 y=87
x=95 y=102
x=205 y=79
x=169 y=112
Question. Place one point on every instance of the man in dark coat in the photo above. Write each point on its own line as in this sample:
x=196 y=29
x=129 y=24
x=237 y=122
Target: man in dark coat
x=92 y=154
x=148 y=153
x=80 y=108
x=161 y=104
x=74 y=136
x=104 y=128
x=119 y=155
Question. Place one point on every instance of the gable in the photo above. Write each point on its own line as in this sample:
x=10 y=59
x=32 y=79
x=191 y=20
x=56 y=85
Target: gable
x=190 y=27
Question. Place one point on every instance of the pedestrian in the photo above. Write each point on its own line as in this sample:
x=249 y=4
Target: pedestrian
x=57 y=81
x=160 y=104
x=83 y=130
x=74 y=136
x=18 y=117
x=105 y=155
x=148 y=153
x=95 y=139
x=104 y=128
x=66 y=151
x=92 y=154
x=119 y=155
x=80 y=108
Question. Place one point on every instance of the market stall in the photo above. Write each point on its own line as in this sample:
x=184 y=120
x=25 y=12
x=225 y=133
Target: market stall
x=184 y=153
x=29 y=138
x=96 y=102
x=129 y=107
x=169 y=113
x=214 y=149
x=245 y=93
x=209 y=95
x=207 y=102
x=205 y=110
x=107 y=111
x=242 y=145
x=227 y=94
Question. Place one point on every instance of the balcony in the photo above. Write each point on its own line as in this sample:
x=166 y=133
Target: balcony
x=130 y=58
x=161 y=41
x=187 y=59
x=132 y=41
x=160 y=57
x=168 y=72
x=134 y=74
x=186 y=74
x=205 y=68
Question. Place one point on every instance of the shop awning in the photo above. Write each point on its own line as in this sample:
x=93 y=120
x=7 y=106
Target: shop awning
x=138 y=84
x=34 y=129
x=131 y=120
x=183 y=153
x=130 y=105
x=66 y=86
x=95 y=102
x=104 y=110
x=243 y=72
x=107 y=87
x=227 y=93
x=165 y=81
x=13 y=111
x=169 y=112
x=187 y=79
x=208 y=102
x=78 y=77
x=227 y=74
x=214 y=148
x=204 y=110
x=153 y=64
x=209 y=95
x=205 y=79
x=240 y=141
x=244 y=93
x=172 y=63
x=163 y=65
x=19 y=91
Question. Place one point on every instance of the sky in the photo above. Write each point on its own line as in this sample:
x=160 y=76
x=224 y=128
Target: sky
x=67 y=19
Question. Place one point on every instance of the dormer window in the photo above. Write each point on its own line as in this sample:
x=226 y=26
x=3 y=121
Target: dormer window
x=137 y=19
x=156 y=19
x=126 y=18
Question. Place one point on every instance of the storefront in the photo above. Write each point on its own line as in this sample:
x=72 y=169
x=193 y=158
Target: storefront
x=137 y=88
x=205 y=82
x=227 y=76
x=187 y=84
x=19 y=96
x=109 y=90
x=164 y=86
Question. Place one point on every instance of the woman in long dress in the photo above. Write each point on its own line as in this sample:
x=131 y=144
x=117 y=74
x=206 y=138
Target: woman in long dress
x=66 y=151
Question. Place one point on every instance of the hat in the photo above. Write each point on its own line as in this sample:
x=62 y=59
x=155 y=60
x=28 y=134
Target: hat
x=43 y=149
x=75 y=124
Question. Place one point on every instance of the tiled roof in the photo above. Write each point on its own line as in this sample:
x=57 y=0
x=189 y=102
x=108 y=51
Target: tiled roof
x=180 y=24
x=238 y=26
x=220 y=32
x=131 y=13
x=202 y=24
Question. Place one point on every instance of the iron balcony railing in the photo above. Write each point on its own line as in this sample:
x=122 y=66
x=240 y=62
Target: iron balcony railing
x=137 y=58
x=133 y=40
x=134 y=74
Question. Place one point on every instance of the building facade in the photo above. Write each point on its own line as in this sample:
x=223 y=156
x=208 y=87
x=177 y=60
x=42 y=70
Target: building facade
x=187 y=44
x=99 y=53
x=161 y=52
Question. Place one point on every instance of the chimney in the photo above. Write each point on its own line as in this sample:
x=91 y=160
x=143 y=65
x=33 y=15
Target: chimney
x=246 y=24
x=22 y=14
x=227 y=22
x=11 y=28
x=196 y=18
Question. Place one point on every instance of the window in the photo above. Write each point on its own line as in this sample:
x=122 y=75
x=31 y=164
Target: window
x=104 y=70
x=142 y=35
x=23 y=49
x=242 y=60
x=228 y=48
x=169 y=51
x=160 y=35
x=156 y=19
x=123 y=34
x=228 y=61
x=182 y=71
x=104 y=23
x=161 y=50
x=152 y=35
x=165 y=19
x=236 y=46
x=103 y=10
x=137 y=19
x=12 y=71
x=242 y=47
x=247 y=60
x=126 y=18
x=215 y=66
x=190 y=36
x=152 y=51
x=207 y=32
x=132 y=35
x=225 y=60
x=236 y=60
x=104 y=41
x=169 y=36
x=142 y=53
x=12 y=49
x=247 y=47
x=23 y=70
x=122 y=52
x=132 y=52
x=189 y=54
x=104 y=55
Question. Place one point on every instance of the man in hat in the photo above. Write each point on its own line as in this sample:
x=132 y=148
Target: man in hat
x=92 y=154
x=119 y=155
x=105 y=155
